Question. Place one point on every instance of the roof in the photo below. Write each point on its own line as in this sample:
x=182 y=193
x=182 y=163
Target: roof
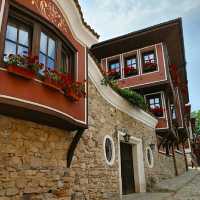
x=83 y=20
x=170 y=33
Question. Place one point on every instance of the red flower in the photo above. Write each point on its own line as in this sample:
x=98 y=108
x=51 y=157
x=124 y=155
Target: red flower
x=150 y=65
x=158 y=111
x=129 y=69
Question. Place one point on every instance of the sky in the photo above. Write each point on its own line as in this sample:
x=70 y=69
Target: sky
x=111 y=18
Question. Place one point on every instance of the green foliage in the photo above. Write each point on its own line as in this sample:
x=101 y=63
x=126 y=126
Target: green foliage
x=196 y=114
x=131 y=96
x=108 y=81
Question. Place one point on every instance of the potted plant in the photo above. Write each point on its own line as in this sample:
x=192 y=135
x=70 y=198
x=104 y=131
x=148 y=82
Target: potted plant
x=24 y=66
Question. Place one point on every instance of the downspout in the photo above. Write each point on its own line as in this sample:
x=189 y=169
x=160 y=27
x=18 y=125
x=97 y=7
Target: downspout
x=73 y=146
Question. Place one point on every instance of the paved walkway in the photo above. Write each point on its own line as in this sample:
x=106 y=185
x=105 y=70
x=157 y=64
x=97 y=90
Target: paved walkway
x=185 y=187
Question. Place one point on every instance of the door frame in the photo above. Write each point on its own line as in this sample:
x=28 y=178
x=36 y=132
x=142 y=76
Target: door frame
x=138 y=163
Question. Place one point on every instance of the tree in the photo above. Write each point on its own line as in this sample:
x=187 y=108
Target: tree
x=196 y=114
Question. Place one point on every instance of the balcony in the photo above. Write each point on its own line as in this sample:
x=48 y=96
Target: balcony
x=52 y=98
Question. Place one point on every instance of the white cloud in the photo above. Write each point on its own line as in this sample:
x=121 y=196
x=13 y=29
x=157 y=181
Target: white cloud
x=115 y=17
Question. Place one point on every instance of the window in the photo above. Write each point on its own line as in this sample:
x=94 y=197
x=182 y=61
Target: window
x=17 y=39
x=114 y=69
x=66 y=61
x=155 y=104
x=28 y=35
x=47 y=51
x=109 y=151
x=149 y=157
x=65 y=68
x=130 y=67
x=173 y=112
x=149 y=62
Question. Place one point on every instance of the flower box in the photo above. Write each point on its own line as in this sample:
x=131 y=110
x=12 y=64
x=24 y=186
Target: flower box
x=52 y=84
x=72 y=97
x=149 y=67
x=21 y=71
x=75 y=91
x=158 y=112
x=129 y=71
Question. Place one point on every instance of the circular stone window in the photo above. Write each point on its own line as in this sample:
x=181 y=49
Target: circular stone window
x=149 y=157
x=109 y=150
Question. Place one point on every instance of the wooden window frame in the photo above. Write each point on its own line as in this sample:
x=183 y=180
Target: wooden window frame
x=38 y=25
x=125 y=65
x=115 y=61
x=113 y=73
x=154 y=96
x=19 y=25
x=49 y=35
x=145 y=53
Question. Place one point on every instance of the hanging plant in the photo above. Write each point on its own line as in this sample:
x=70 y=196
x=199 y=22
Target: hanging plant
x=130 y=95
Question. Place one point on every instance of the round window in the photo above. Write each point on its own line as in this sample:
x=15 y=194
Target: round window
x=149 y=157
x=109 y=152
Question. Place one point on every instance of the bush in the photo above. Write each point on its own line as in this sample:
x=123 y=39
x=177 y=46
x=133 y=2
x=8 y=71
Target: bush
x=132 y=97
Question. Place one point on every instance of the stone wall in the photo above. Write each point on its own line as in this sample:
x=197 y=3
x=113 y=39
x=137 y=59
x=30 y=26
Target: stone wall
x=33 y=157
x=103 y=180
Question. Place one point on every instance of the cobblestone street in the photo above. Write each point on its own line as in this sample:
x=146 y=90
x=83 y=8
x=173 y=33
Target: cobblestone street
x=189 y=191
x=185 y=187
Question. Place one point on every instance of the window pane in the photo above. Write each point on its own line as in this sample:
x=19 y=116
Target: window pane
x=128 y=62
x=64 y=64
x=11 y=33
x=10 y=48
x=51 y=48
x=115 y=66
x=23 y=37
x=50 y=63
x=43 y=43
x=22 y=50
x=151 y=101
x=42 y=59
x=157 y=100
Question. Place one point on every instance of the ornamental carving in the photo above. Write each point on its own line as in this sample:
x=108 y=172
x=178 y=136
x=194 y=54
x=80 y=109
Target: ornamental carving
x=51 y=12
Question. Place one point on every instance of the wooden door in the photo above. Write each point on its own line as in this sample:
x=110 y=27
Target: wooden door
x=127 y=171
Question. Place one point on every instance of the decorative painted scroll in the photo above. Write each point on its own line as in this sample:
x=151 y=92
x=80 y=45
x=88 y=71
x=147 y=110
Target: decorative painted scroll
x=51 y=12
